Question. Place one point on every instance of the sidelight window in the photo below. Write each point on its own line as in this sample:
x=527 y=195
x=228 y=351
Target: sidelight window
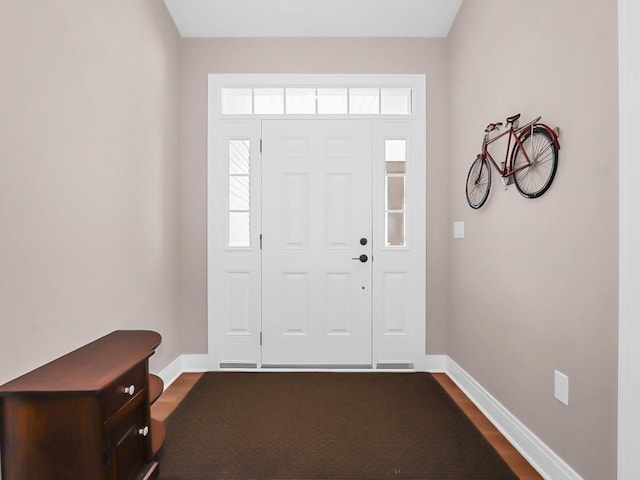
x=239 y=194
x=395 y=156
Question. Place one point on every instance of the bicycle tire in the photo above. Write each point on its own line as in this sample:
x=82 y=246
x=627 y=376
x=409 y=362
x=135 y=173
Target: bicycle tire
x=534 y=180
x=478 y=183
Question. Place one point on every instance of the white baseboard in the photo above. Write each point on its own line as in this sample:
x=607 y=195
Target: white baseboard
x=537 y=453
x=184 y=363
x=201 y=363
x=432 y=364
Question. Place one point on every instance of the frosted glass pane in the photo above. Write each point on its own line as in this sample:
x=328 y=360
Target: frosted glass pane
x=236 y=101
x=396 y=101
x=395 y=193
x=395 y=229
x=301 y=100
x=364 y=101
x=395 y=150
x=332 y=101
x=268 y=101
x=239 y=193
x=239 y=157
x=239 y=229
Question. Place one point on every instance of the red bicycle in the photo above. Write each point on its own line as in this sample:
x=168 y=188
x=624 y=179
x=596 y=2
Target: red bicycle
x=531 y=160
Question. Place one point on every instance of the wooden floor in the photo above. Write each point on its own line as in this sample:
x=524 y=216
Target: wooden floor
x=173 y=395
x=509 y=454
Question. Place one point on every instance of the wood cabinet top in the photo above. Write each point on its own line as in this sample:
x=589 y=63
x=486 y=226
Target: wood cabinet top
x=90 y=368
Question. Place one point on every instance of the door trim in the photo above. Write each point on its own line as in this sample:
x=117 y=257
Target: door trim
x=222 y=261
x=629 y=239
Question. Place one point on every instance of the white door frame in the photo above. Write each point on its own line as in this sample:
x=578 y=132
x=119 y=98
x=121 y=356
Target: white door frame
x=629 y=242
x=234 y=284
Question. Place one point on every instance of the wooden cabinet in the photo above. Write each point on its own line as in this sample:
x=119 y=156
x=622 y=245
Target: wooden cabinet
x=85 y=415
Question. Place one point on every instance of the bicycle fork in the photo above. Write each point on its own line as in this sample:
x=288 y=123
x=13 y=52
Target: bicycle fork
x=481 y=158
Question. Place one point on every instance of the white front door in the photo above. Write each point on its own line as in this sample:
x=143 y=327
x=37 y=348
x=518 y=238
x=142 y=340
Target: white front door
x=316 y=242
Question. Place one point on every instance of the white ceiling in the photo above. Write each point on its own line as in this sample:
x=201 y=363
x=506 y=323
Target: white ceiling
x=313 y=18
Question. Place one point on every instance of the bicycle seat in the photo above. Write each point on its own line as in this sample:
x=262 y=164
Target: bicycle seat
x=513 y=118
x=492 y=126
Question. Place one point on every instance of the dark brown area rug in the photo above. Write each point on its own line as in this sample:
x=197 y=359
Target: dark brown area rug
x=324 y=426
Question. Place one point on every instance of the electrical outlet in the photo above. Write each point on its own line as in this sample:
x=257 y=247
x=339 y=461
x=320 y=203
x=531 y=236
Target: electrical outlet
x=561 y=387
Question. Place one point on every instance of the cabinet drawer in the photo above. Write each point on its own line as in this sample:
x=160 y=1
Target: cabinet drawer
x=120 y=392
x=128 y=444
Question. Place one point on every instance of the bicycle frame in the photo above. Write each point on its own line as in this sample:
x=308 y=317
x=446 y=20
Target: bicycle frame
x=514 y=134
x=532 y=169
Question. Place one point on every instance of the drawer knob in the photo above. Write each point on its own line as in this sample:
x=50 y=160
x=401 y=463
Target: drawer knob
x=130 y=390
x=144 y=431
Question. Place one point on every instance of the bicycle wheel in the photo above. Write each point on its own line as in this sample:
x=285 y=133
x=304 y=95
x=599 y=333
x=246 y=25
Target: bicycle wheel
x=536 y=176
x=478 y=182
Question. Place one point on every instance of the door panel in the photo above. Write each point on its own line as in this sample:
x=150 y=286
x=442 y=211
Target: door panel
x=234 y=260
x=316 y=206
x=399 y=277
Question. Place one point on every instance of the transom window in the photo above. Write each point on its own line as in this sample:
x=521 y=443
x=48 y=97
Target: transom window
x=316 y=101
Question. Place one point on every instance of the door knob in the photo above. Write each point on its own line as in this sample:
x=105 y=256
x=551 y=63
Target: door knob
x=363 y=258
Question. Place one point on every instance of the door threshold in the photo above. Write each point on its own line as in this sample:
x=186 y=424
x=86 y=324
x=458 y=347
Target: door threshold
x=319 y=367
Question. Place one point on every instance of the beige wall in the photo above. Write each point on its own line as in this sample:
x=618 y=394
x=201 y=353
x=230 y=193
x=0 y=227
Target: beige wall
x=88 y=160
x=100 y=228
x=204 y=56
x=534 y=284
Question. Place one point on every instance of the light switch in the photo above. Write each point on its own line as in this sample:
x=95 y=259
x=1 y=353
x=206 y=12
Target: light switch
x=458 y=229
x=561 y=387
